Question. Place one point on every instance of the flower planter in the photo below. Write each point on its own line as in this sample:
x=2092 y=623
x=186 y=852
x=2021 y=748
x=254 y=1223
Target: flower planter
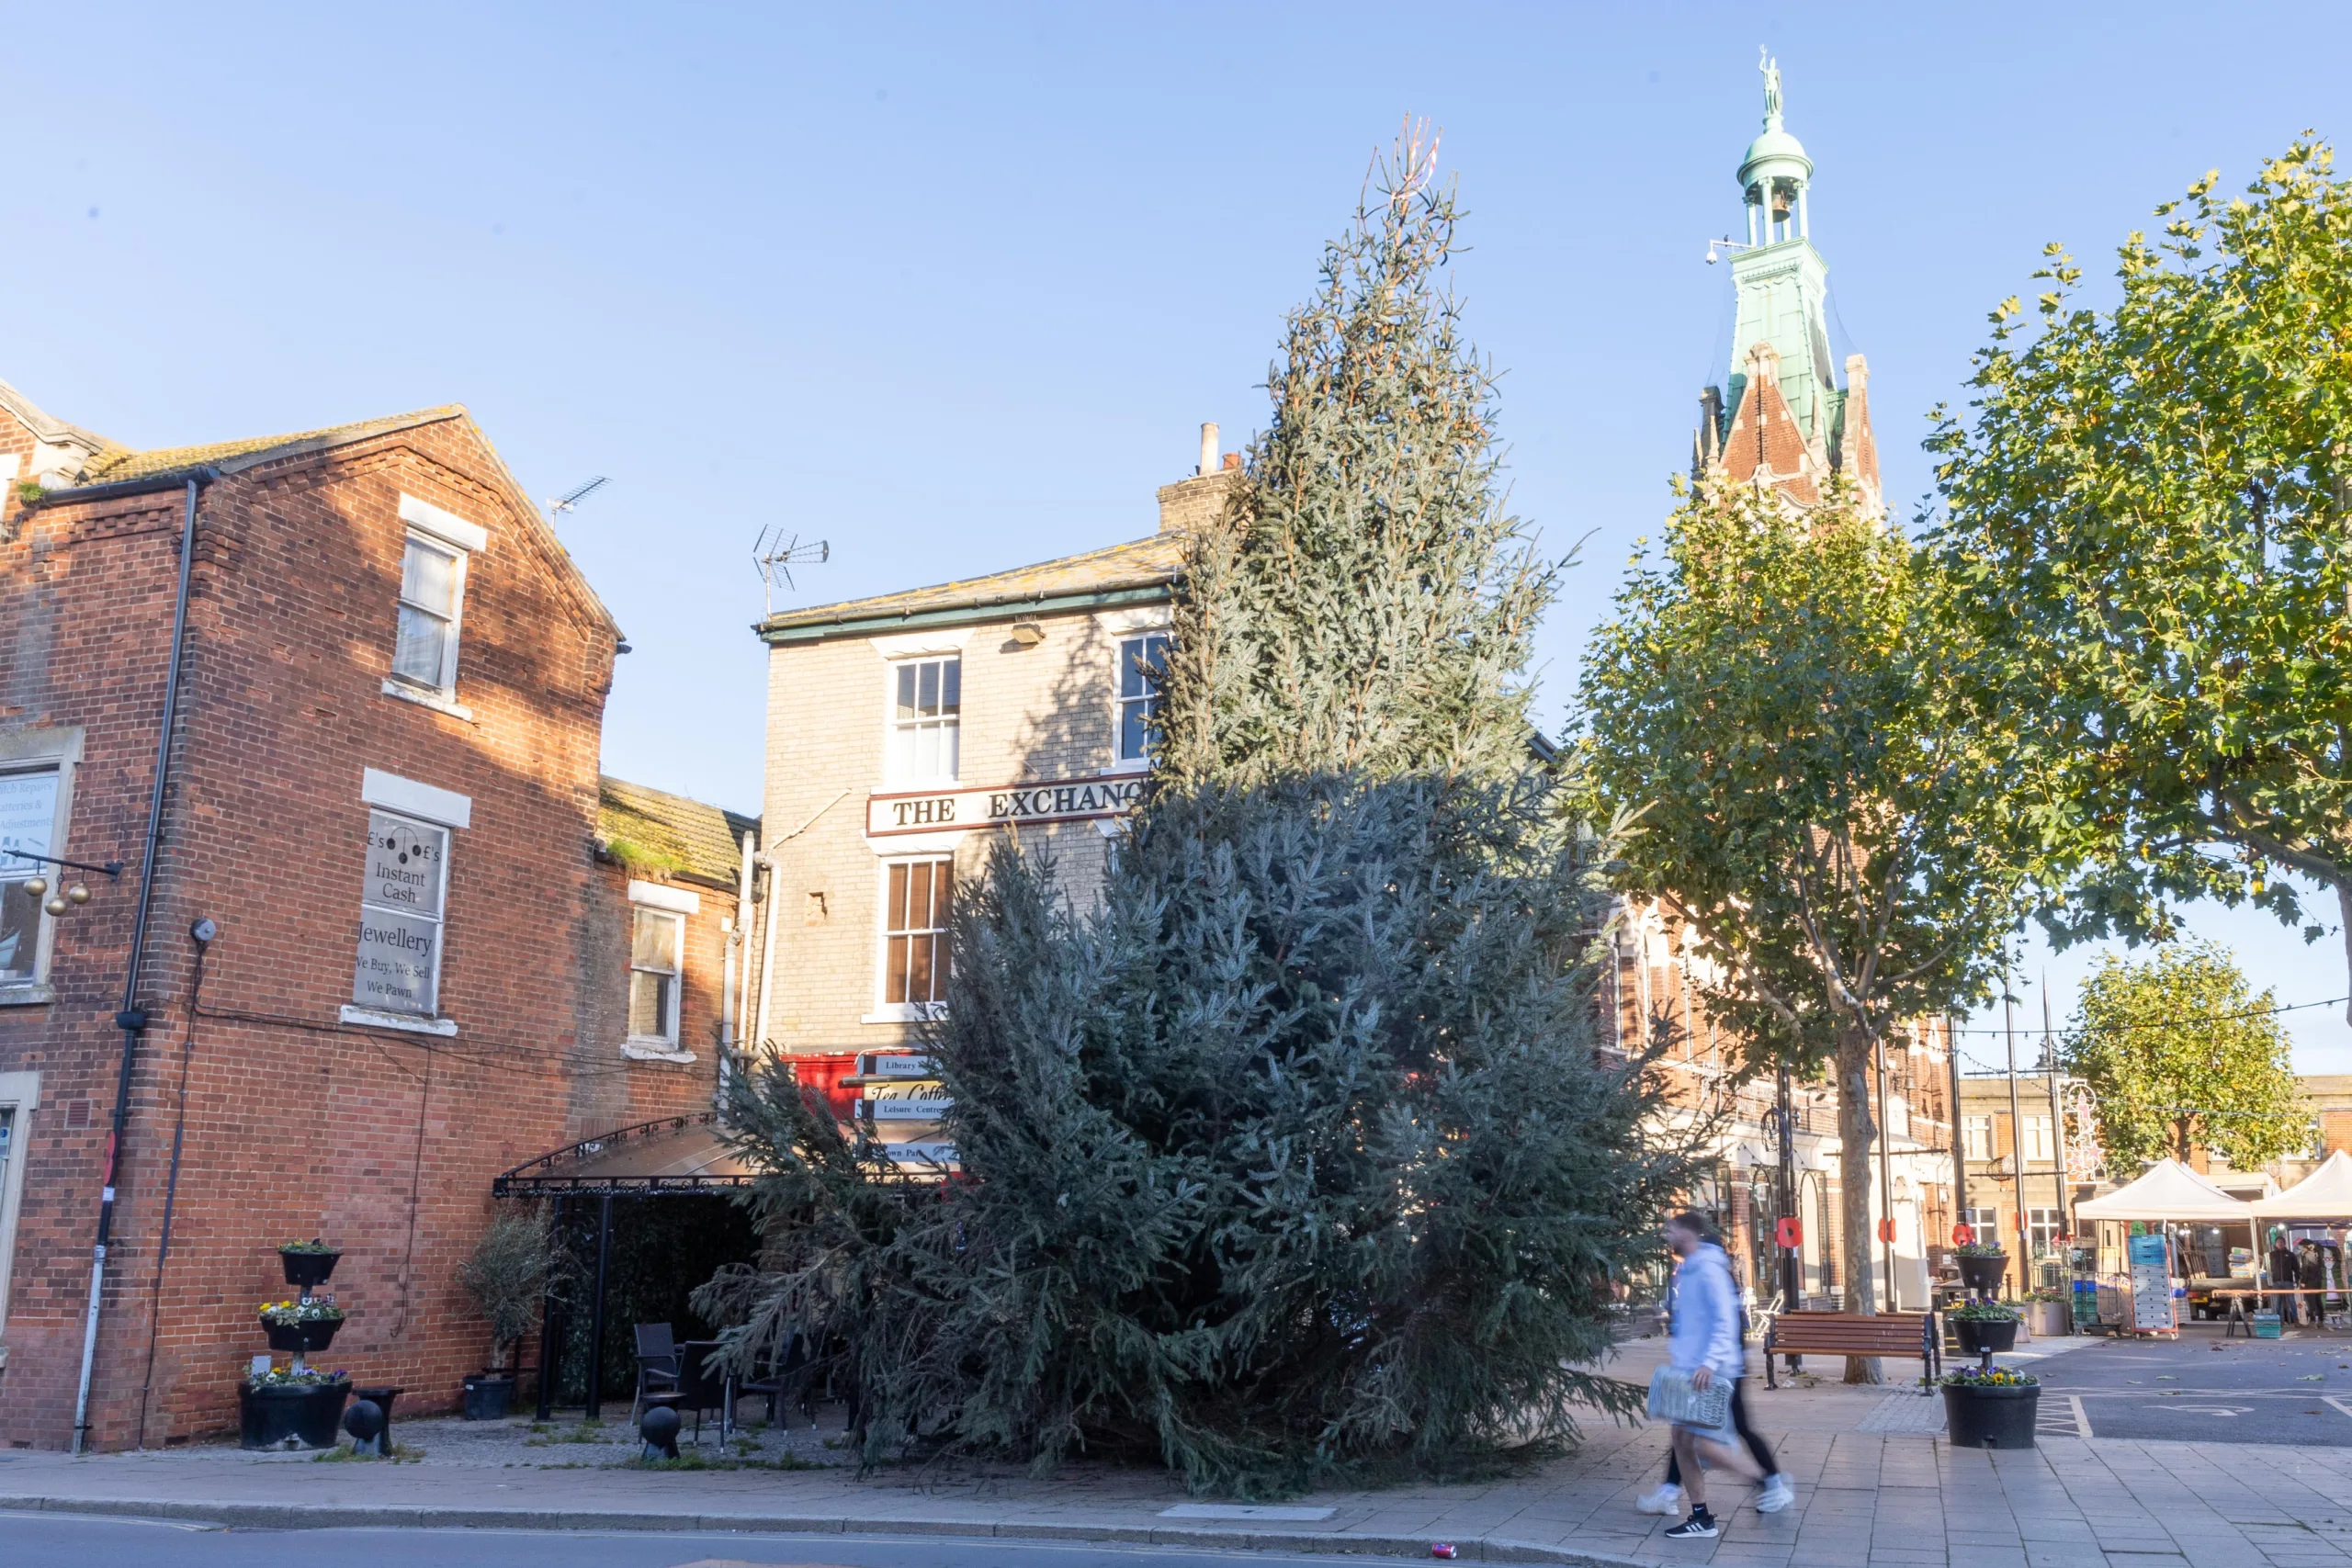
x=301 y=1337
x=305 y=1269
x=284 y=1416
x=1984 y=1273
x=1991 y=1417
x=2048 y=1317
x=489 y=1395
x=1980 y=1335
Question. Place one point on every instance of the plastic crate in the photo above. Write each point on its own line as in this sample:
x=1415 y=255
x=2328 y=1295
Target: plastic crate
x=2266 y=1325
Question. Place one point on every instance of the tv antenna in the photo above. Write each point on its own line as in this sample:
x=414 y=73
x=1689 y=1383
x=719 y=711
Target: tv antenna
x=775 y=553
x=570 y=500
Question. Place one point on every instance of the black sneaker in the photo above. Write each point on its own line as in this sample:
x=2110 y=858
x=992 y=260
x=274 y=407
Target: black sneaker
x=1700 y=1526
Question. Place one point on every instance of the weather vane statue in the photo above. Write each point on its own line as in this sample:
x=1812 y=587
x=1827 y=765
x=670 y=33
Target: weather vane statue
x=1771 y=68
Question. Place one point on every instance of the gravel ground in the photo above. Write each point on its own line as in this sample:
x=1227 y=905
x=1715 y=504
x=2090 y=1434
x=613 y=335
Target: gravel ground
x=570 y=1442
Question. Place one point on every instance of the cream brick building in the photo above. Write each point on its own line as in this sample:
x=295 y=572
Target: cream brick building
x=909 y=733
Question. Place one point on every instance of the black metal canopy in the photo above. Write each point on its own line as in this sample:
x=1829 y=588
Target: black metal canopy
x=675 y=1156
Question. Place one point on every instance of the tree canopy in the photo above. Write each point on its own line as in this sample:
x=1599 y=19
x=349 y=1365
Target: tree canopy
x=1774 y=699
x=2148 y=519
x=2179 y=1055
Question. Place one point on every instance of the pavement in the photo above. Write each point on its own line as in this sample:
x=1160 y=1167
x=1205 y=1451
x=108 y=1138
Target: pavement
x=1877 y=1485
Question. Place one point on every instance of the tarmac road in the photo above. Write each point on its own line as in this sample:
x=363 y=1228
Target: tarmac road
x=85 y=1541
x=2293 y=1389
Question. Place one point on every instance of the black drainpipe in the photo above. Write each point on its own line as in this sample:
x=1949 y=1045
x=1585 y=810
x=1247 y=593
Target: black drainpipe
x=129 y=1019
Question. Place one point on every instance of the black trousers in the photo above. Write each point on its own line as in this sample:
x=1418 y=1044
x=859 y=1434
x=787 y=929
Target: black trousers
x=1748 y=1434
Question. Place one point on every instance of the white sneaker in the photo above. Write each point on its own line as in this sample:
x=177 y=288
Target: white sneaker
x=1778 y=1494
x=1665 y=1500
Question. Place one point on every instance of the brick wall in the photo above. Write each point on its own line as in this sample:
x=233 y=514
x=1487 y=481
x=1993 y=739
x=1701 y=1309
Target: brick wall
x=297 y=1125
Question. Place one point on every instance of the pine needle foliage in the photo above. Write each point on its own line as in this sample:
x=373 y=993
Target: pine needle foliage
x=1368 y=602
x=1293 y=1157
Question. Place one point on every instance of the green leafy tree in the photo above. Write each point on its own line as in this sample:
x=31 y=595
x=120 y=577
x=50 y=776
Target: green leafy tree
x=2179 y=1055
x=1773 y=699
x=2150 y=523
x=1295 y=1156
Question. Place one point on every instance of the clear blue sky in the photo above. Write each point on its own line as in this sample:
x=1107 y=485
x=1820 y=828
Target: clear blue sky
x=952 y=286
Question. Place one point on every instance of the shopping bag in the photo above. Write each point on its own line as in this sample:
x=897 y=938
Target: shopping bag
x=1673 y=1399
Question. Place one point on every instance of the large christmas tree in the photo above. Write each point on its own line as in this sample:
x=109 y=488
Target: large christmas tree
x=1295 y=1156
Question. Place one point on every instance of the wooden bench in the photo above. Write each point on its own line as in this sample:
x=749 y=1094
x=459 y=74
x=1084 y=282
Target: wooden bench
x=1906 y=1335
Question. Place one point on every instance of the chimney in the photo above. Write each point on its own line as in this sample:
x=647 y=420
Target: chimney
x=1197 y=501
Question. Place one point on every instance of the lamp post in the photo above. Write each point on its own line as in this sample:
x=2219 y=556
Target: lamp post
x=1791 y=1256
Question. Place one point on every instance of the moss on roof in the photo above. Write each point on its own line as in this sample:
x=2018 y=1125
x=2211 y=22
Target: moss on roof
x=115 y=464
x=1141 y=563
x=654 y=832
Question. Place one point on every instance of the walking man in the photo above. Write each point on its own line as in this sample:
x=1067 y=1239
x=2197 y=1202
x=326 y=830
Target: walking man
x=1703 y=1343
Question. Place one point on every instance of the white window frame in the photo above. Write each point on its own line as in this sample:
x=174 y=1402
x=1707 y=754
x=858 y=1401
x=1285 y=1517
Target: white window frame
x=2036 y=1146
x=2043 y=1229
x=892 y=771
x=1120 y=760
x=885 y=1010
x=57 y=750
x=446 y=684
x=1988 y=1229
x=1971 y=1125
x=667 y=1043
x=449 y=535
x=20 y=1093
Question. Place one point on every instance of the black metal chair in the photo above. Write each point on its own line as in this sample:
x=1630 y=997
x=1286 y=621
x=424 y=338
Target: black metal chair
x=657 y=1365
x=702 y=1383
x=788 y=1383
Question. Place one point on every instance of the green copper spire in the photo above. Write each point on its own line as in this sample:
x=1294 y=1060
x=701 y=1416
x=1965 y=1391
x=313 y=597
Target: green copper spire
x=1781 y=280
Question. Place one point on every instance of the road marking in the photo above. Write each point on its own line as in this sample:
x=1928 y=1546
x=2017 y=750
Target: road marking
x=2082 y=1421
x=2340 y=1405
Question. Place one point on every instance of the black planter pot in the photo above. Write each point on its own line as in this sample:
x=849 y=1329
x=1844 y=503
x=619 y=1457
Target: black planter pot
x=1999 y=1418
x=489 y=1395
x=1984 y=1273
x=289 y=1416
x=307 y=1269
x=305 y=1337
x=1980 y=1335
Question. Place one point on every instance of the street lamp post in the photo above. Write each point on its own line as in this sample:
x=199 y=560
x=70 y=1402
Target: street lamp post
x=1792 y=1258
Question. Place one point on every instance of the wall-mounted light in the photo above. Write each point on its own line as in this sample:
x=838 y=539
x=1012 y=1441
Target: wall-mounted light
x=1028 y=634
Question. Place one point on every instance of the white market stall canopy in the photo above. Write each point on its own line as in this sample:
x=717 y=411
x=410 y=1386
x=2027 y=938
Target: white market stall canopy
x=2324 y=1194
x=2169 y=1190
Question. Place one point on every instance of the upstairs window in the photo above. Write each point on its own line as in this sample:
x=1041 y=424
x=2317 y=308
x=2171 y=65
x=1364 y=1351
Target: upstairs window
x=654 y=970
x=915 y=906
x=2037 y=1138
x=926 y=720
x=1977 y=1137
x=1143 y=663
x=433 y=590
x=28 y=822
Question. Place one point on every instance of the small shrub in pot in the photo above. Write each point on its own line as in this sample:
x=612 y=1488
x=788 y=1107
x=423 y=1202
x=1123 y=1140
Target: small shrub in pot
x=508 y=1277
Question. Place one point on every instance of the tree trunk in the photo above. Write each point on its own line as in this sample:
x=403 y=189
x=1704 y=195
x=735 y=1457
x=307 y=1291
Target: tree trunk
x=2343 y=906
x=1857 y=1130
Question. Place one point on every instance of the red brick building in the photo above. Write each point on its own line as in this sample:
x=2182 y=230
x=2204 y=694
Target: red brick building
x=381 y=786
